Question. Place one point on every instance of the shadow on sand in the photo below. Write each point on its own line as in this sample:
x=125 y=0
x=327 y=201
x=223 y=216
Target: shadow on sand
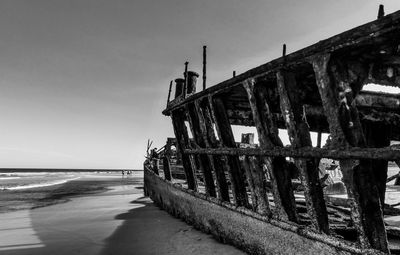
x=150 y=230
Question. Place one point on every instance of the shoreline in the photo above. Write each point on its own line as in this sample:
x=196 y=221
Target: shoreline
x=118 y=221
x=86 y=184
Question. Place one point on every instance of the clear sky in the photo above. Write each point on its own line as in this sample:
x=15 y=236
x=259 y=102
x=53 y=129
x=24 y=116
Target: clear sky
x=83 y=82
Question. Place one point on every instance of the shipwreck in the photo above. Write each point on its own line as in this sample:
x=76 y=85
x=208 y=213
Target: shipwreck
x=268 y=198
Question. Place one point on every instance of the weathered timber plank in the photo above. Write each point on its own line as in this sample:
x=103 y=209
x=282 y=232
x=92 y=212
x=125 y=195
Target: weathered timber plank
x=299 y=136
x=205 y=164
x=226 y=137
x=218 y=165
x=339 y=106
x=182 y=138
x=268 y=137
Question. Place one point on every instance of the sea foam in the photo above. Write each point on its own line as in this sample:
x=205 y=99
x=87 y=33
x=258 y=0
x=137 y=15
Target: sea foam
x=38 y=185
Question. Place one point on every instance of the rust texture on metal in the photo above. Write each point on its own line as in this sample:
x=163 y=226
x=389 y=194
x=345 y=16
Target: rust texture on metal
x=182 y=137
x=299 y=136
x=269 y=138
x=217 y=163
x=167 y=168
x=205 y=163
x=316 y=89
x=227 y=140
x=310 y=152
x=337 y=99
x=166 y=157
x=234 y=221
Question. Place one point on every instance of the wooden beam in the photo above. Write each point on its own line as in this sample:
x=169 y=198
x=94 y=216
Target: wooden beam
x=205 y=164
x=182 y=138
x=342 y=115
x=226 y=138
x=217 y=163
x=299 y=137
x=268 y=137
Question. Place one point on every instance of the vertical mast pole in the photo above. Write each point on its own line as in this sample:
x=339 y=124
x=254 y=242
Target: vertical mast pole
x=204 y=66
x=381 y=11
x=284 y=50
x=186 y=79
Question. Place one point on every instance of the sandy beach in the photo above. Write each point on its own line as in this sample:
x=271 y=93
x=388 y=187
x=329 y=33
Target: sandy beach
x=117 y=221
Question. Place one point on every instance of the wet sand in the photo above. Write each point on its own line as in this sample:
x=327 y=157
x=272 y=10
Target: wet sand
x=117 y=221
x=87 y=183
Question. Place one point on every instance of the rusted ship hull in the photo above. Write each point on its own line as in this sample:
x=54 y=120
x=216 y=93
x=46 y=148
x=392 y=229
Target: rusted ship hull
x=247 y=196
x=239 y=226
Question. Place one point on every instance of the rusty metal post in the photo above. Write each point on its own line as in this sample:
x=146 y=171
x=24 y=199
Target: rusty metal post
x=284 y=50
x=299 y=136
x=358 y=177
x=193 y=116
x=319 y=138
x=226 y=137
x=179 y=87
x=204 y=66
x=167 y=162
x=191 y=82
x=186 y=79
x=169 y=93
x=182 y=139
x=218 y=164
x=267 y=130
x=381 y=11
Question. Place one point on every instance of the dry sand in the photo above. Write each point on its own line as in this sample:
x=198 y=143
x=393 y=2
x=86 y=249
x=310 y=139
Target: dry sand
x=119 y=221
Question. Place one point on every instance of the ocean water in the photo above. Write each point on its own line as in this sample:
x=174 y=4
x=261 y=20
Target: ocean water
x=27 y=190
x=30 y=180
